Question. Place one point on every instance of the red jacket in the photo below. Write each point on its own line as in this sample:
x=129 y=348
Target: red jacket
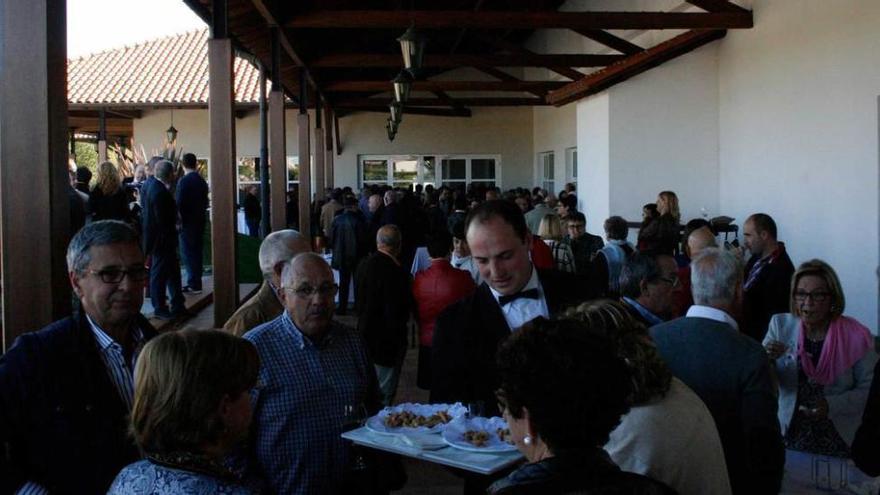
x=436 y=288
x=542 y=256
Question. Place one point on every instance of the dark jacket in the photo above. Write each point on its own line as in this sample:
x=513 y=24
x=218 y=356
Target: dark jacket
x=384 y=303
x=467 y=335
x=866 y=446
x=585 y=472
x=159 y=218
x=768 y=295
x=112 y=207
x=661 y=236
x=252 y=209
x=731 y=374
x=62 y=422
x=348 y=236
x=192 y=200
x=584 y=249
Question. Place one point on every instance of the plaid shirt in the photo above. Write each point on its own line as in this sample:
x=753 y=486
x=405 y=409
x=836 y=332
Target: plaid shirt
x=298 y=412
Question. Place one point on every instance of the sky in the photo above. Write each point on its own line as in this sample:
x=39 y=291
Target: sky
x=99 y=25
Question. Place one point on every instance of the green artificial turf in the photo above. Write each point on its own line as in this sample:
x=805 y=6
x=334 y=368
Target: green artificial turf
x=247 y=264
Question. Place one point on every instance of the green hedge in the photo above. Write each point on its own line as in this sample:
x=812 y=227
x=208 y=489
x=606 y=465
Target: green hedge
x=248 y=264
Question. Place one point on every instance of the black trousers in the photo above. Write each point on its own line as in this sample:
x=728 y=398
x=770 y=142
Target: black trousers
x=165 y=274
x=344 y=284
x=191 y=241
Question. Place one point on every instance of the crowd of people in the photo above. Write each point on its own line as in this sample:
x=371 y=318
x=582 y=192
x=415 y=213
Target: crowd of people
x=671 y=365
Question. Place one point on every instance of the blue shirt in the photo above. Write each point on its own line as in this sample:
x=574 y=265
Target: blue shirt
x=298 y=411
x=146 y=478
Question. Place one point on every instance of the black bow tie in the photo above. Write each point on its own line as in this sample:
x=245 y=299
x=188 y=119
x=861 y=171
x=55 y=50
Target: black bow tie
x=528 y=294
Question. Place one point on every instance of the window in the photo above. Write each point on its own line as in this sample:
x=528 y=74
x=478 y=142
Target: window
x=546 y=171
x=571 y=164
x=249 y=171
x=409 y=170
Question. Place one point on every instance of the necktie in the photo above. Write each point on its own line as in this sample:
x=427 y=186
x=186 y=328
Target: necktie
x=528 y=294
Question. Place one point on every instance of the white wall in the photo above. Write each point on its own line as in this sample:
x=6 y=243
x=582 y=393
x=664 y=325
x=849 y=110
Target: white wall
x=594 y=160
x=554 y=130
x=799 y=133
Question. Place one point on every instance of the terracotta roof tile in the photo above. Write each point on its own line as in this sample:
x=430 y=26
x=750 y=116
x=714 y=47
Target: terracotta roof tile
x=162 y=71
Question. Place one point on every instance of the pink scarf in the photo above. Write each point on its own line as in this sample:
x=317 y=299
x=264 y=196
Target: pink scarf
x=846 y=342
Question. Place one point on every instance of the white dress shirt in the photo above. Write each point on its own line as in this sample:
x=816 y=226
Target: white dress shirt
x=522 y=310
x=710 y=313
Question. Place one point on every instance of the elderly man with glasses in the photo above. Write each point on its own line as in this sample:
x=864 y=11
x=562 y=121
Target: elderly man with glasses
x=66 y=390
x=312 y=372
x=647 y=283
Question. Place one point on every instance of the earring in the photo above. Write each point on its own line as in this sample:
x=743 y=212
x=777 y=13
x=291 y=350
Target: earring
x=527 y=440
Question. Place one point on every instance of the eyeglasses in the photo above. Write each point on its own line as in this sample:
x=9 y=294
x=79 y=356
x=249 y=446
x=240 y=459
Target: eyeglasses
x=673 y=281
x=818 y=296
x=115 y=275
x=307 y=291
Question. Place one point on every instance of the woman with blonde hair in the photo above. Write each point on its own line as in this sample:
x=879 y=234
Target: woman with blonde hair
x=108 y=200
x=551 y=232
x=824 y=361
x=192 y=407
x=661 y=236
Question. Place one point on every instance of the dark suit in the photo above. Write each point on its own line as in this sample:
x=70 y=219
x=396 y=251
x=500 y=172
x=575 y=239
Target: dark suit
x=384 y=303
x=866 y=446
x=192 y=203
x=160 y=243
x=348 y=238
x=767 y=295
x=468 y=333
x=62 y=421
x=731 y=374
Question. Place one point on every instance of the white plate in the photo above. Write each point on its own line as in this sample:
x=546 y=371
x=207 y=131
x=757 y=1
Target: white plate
x=377 y=423
x=455 y=430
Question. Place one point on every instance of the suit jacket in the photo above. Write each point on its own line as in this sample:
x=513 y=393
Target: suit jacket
x=769 y=295
x=62 y=422
x=261 y=307
x=159 y=218
x=731 y=374
x=383 y=300
x=348 y=237
x=468 y=333
x=192 y=200
x=866 y=446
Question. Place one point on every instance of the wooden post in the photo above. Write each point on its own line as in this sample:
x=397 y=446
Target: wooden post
x=320 y=183
x=34 y=220
x=277 y=140
x=328 y=143
x=305 y=172
x=102 y=136
x=222 y=168
x=264 y=159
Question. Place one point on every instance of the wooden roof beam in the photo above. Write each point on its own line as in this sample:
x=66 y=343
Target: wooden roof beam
x=354 y=103
x=456 y=19
x=504 y=76
x=717 y=6
x=445 y=98
x=374 y=86
x=609 y=40
x=633 y=65
x=522 y=58
x=562 y=70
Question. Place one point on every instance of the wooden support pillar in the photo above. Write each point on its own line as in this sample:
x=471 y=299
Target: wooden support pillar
x=277 y=140
x=34 y=220
x=72 y=139
x=222 y=167
x=264 y=159
x=305 y=165
x=328 y=143
x=102 y=136
x=320 y=182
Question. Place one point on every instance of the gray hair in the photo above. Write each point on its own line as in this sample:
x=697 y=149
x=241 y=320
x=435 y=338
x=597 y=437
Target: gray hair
x=715 y=275
x=164 y=170
x=639 y=267
x=290 y=268
x=280 y=247
x=101 y=233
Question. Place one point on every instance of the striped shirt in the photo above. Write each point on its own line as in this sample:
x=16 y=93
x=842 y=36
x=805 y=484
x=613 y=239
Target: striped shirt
x=120 y=372
x=299 y=409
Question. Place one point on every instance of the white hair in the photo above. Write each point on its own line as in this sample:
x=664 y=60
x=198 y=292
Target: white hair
x=715 y=275
x=280 y=247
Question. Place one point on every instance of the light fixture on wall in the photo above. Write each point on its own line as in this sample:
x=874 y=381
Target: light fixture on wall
x=412 y=47
x=402 y=84
x=391 y=128
x=171 y=133
x=396 y=113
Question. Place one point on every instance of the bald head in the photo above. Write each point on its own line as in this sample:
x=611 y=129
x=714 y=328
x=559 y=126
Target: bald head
x=388 y=240
x=278 y=248
x=699 y=240
x=374 y=203
x=308 y=293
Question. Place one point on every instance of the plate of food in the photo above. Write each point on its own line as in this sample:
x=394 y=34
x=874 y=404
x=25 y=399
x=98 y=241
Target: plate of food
x=478 y=434
x=415 y=418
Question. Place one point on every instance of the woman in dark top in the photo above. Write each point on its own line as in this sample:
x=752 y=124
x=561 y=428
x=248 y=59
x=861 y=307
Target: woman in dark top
x=108 y=200
x=661 y=235
x=563 y=390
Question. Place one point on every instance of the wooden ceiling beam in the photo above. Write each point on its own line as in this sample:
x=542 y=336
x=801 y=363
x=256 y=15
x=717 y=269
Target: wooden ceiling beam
x=504 y=76
x=632 y=65
x=520 y=59
x=717 y=6
x=452 y=102
x=373 y=86
x=609 y=40
x=457 y=19
x=562 y=70
x=429 y=102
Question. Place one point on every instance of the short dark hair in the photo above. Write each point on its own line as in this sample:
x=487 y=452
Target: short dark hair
x=439 y=244
x=507 y=211
x=763 y=223
x=189 y=161
x=570 y=201
x=458 y=230
x=570 y=379
x=100 y=233
x=349 y=201
x=83 y=175
x=639 y=267
x=577 y=216
x=616 y=228
x=460 y=202
x=692 y=226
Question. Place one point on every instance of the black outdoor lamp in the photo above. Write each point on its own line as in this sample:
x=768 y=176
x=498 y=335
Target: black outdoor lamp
x=402 y=84
x=171 y=133
x=412 y=46
x=396 y=113
x=391 y=127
